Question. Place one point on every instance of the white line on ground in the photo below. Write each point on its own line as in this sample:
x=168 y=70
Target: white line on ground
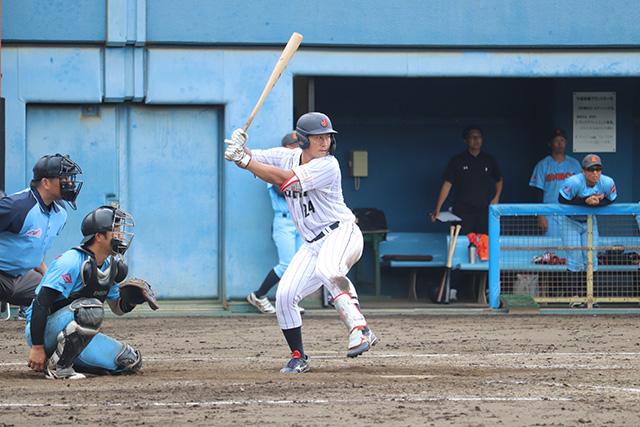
x=404 y=356
x=287 y=402
x=564 y=385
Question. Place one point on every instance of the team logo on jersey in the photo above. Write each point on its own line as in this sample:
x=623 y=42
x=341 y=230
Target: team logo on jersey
x=558 y=176
x=324 y=123
x=66 y=278
x=567 y=189
x=613 y=189
x=35 y=233
x=295 y=194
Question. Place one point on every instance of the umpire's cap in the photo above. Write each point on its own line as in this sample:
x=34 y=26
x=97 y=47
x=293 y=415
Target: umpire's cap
x=55 y=166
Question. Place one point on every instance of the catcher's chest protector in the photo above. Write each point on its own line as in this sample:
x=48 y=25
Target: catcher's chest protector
x=96 y=283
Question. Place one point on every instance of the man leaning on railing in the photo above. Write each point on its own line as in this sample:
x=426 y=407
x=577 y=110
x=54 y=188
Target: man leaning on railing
x=591 y=188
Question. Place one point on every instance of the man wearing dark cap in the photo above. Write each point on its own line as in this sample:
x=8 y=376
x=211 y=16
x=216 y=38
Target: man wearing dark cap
x=30 y=220
x=549 y=175
x=590 y=188
x=471 y=174
x=285 y=237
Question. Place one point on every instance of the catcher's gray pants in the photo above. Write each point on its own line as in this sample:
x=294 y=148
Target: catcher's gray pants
x=19 y=290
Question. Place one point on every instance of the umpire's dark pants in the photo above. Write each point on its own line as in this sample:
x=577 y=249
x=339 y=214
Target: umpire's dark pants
x=20 y=290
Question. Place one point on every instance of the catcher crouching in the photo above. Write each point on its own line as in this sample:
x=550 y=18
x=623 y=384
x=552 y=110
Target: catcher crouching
x=63 y=322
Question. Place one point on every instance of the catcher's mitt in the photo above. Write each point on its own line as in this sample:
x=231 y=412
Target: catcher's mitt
x=137 y=291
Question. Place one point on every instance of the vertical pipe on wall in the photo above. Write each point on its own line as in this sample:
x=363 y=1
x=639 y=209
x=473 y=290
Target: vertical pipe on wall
x=2 y=131
x=494 y=256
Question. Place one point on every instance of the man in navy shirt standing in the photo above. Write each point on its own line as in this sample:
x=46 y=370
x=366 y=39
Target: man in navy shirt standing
x=30 y=220
x=470 y=173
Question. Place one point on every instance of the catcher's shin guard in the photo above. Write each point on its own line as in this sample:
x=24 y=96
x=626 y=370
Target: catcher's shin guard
x=76 y=336
x=128 y=360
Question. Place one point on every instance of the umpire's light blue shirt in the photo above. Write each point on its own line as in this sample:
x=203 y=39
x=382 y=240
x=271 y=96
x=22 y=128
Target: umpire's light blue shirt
x=27 y=230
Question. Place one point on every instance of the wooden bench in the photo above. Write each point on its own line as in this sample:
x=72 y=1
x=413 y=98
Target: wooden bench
x=374 y=237
x=413 y=251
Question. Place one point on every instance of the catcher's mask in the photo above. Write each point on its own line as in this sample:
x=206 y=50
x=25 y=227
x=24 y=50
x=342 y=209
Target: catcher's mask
x=59 y=166
x=108 y=218
x=314 y=124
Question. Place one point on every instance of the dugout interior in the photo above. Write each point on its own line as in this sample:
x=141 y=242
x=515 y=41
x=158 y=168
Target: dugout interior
x=411 y=127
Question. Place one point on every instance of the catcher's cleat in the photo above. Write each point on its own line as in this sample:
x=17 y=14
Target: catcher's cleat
x=360 y=340
x=297 y=364
x=261 y=304
x=63 y=374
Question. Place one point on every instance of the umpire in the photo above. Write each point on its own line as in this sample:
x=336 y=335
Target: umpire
x=30 y=220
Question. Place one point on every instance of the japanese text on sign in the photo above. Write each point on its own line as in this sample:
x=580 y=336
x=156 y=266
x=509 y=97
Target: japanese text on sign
x=594 y=122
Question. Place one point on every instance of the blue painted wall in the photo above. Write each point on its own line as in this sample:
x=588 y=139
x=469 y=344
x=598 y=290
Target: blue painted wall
x=400 y=87
x=453 y=23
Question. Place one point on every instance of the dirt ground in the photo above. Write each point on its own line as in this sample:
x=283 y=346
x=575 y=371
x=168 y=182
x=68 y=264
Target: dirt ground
x=432 y=370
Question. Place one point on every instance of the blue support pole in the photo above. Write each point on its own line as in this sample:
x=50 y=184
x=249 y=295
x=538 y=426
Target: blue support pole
x=494 y=257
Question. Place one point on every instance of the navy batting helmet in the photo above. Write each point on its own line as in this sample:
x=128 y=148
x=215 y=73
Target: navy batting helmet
x=60 y=166
x=314 y=124
x=108 y=218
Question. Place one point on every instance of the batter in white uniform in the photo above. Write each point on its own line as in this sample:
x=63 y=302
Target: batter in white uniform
x=311 y=180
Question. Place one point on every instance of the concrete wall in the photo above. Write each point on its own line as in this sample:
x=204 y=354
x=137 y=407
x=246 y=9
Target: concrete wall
x=406 y=23
x=398 y=81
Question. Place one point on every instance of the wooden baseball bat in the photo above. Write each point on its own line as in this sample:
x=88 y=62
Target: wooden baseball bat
x=447 y=271
x=445 y=285
x=282 y=63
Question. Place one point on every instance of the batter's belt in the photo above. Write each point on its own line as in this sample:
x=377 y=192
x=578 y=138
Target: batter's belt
x=325 y=232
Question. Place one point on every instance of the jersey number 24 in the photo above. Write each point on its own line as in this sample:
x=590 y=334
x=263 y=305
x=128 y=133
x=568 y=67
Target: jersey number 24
x=307 y=209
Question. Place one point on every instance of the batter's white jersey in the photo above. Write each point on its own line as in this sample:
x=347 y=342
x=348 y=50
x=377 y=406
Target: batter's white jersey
x=320 y=203
x=330 y=250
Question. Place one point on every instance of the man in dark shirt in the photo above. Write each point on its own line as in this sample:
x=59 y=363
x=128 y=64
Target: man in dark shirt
x=471 y=172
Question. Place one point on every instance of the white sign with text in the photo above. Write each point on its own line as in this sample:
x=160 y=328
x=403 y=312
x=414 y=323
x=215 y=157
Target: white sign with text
x=594 y=122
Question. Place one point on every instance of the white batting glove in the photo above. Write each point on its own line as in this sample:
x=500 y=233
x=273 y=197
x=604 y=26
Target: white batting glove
x=237 y=154
x=239 y=137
